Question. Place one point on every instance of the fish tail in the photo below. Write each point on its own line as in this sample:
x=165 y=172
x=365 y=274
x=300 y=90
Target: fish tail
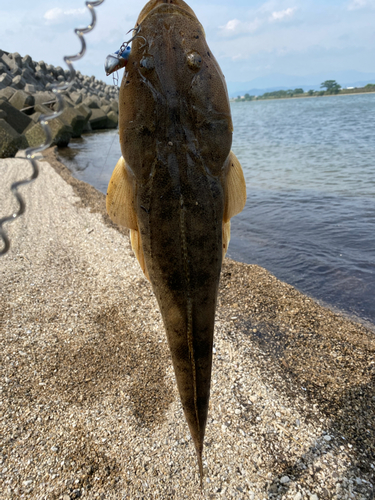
x=200 y=464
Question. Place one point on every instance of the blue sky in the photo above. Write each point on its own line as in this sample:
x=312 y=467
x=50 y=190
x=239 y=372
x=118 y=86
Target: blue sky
x=250 y=39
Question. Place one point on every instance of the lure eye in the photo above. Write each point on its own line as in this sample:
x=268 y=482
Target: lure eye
x=194 y=61
x=125 y=53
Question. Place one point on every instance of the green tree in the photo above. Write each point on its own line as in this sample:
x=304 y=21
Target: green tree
x=310 y=92
x=298 y=91
x=332 y=86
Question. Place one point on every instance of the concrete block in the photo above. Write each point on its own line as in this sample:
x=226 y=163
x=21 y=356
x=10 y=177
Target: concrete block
x=112 y=119
x=8 y=61
x=106 y=109
x=61 y=134
x=45 y=110
x=15 y=118
x=16 y=58
x=10 y=140
x=18 y=82
x=35 y=117
x=5 y=79
x=114 y=106
x=44 y=97
x=92 y=102
x=20 y=99
x=29 y=87
x=72 y=117
x=98 y=119
x=76 y=97
x=7 y=93
x=84 y=110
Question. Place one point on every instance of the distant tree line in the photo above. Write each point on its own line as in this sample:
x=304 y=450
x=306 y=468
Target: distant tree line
x=330 y=86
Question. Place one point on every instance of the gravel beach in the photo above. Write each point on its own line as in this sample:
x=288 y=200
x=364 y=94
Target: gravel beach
x=89 y=406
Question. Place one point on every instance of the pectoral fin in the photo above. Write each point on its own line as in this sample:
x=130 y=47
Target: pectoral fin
x=120 y=207
x=235 y=196
x=235 y=188
x=120 y=196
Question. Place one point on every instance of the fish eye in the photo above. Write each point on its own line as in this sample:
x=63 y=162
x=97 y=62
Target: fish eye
x=194 y=60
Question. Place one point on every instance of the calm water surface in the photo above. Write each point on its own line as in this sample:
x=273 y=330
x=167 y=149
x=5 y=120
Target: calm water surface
x=309 y=219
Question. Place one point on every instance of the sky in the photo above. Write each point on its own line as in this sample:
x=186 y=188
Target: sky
x=250 y=39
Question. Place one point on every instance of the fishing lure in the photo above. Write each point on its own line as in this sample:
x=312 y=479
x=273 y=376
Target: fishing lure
x=117 y=60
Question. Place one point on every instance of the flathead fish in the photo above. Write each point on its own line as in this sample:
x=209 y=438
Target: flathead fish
x=177 y=185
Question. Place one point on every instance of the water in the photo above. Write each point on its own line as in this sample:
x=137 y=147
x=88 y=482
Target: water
x=309 y=219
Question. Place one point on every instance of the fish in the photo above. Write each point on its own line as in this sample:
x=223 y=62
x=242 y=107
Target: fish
x=176 y=187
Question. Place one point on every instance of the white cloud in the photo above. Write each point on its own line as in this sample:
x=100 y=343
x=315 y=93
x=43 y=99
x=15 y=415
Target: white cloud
x=360 y=4
x=236 y=27
x=261 y=17
x=231 y=25
x=53 y=14
x=287 y=13
x=57 y=14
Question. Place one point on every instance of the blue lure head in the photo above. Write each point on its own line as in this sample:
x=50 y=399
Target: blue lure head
x=117 y=60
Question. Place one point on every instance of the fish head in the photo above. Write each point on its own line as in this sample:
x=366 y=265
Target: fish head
x=173 y=87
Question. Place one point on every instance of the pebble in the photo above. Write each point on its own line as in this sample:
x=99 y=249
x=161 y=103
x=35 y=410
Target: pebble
x=284 y=480
x=114 y=380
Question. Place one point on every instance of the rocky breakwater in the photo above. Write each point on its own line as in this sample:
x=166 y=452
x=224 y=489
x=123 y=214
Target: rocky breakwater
x=26 y=93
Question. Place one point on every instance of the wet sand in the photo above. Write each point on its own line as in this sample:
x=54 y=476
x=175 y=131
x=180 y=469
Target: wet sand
x=89 y=406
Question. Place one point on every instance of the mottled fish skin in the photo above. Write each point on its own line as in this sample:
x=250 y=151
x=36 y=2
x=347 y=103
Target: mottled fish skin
x=175 y=135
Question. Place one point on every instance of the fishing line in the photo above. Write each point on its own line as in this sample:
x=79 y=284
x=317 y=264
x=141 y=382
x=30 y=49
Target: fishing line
x=113 y=63
x=57 y=89
x=106 y=158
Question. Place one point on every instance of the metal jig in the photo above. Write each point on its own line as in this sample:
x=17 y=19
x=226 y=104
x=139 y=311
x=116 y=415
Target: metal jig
x=43 y=120
x=119 y=59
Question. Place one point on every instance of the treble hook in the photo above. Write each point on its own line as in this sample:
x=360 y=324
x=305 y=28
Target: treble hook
x=119 y=59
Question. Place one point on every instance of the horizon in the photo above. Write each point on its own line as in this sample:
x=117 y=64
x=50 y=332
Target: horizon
x=272 y=41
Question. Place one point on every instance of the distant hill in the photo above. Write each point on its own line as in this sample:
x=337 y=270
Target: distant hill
x=277 y=81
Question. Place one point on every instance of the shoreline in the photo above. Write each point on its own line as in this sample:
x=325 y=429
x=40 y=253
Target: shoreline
x=89 y=402
x=233 y=99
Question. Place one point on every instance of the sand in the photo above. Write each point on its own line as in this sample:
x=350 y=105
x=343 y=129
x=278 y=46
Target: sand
x=89 y=406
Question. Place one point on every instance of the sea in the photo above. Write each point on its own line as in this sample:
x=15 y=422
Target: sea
x=309 y=219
